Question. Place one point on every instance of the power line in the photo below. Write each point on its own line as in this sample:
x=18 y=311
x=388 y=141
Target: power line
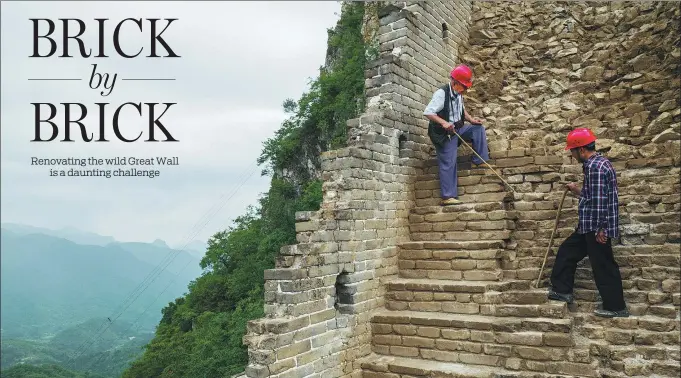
x=174 y=253
x=185 y=266
x=81 y=349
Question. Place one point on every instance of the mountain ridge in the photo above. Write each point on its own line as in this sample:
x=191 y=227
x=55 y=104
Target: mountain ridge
x=79 y=236
x=49 y=283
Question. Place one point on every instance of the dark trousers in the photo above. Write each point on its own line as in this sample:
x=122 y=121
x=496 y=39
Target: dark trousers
x=605 y=269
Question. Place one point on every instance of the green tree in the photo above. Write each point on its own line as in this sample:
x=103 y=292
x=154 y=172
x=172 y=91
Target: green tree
x=317 y=122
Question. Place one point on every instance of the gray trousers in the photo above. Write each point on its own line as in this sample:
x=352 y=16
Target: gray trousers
x=446 y=157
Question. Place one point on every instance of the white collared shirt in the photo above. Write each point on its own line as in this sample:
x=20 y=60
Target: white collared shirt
x=437 y=103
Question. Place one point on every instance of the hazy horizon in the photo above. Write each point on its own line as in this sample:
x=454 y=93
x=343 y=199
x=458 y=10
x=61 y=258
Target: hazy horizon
x=151 y=239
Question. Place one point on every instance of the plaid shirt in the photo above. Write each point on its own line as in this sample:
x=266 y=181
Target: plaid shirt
x=598 y=203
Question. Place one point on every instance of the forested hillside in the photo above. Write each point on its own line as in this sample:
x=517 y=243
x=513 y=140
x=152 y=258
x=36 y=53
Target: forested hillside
x=45 y=371
x=200 y=334
x=106 y=356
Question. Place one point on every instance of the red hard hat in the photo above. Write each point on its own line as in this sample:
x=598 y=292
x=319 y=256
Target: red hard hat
x=579 y=137
x=463 y=74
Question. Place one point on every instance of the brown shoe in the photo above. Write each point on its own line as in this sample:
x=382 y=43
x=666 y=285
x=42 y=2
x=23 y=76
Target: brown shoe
x=483 y=165
x=450 y=201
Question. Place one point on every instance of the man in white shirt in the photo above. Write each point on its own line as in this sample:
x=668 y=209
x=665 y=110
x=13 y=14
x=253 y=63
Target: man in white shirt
x=447 y=113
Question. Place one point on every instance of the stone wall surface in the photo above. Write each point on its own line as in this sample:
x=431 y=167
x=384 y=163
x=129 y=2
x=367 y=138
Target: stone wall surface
x=545 y=68
x=386 y=283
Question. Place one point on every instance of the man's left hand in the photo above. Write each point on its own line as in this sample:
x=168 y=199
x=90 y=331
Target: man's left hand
x=477 y=121
x=601 y=238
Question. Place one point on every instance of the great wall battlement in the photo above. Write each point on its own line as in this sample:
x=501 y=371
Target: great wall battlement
x=385 y=283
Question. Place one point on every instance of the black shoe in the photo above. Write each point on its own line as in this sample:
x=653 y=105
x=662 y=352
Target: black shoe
x=561 y=297
x=611 y=314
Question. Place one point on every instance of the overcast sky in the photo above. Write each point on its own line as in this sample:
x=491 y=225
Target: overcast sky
x=239 y=62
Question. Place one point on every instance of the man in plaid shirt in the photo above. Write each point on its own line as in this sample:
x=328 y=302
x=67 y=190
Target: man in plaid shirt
x=598 y=224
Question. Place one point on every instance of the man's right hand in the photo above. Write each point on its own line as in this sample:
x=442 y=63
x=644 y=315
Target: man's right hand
x=573 y=188
x=447 y=126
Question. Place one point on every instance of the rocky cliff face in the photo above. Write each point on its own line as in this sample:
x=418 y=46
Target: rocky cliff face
x=545 y=68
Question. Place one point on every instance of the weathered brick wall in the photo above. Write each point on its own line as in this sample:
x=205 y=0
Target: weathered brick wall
x=319 y=297
x=544 y=68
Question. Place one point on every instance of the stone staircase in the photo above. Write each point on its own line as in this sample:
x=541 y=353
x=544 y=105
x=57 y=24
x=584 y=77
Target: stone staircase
x=457 y=309
x=460 y=242
x=645 y=344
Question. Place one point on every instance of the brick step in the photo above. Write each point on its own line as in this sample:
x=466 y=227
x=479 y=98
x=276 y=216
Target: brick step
x=474 y=322
x=662 y=353
x=450 y=255
x=481 y=207
x=476 y=177
x=446 y=286
x=636 y=309
x=522 y=343
x=467 y=199
x=520 y=297
x=645 y=325
x=637 y=361
x=464 y=165
x=462 y=226
x=459 y=302
x=525 y=274
x=465 y=189
x=459 y=220
x=513 y=303
x=462 y=236
x=630 y=296
x=643 y=361
x=639 y=303
x=637 y=346
x=465 y=295
x=463 y=192
x=638 y=369
x=523 y=263
x=636 y=261
x=381 y=366
x=452 y=245
x=630 y=275
x=504 y=165
x=448 y=273
x=460 y=260
x=432 y=181
x=632 y=282
x=465 y=154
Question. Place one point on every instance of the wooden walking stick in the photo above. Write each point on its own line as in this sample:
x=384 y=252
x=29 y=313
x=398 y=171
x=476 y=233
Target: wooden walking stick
x=555 y=227
x=483 y=160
